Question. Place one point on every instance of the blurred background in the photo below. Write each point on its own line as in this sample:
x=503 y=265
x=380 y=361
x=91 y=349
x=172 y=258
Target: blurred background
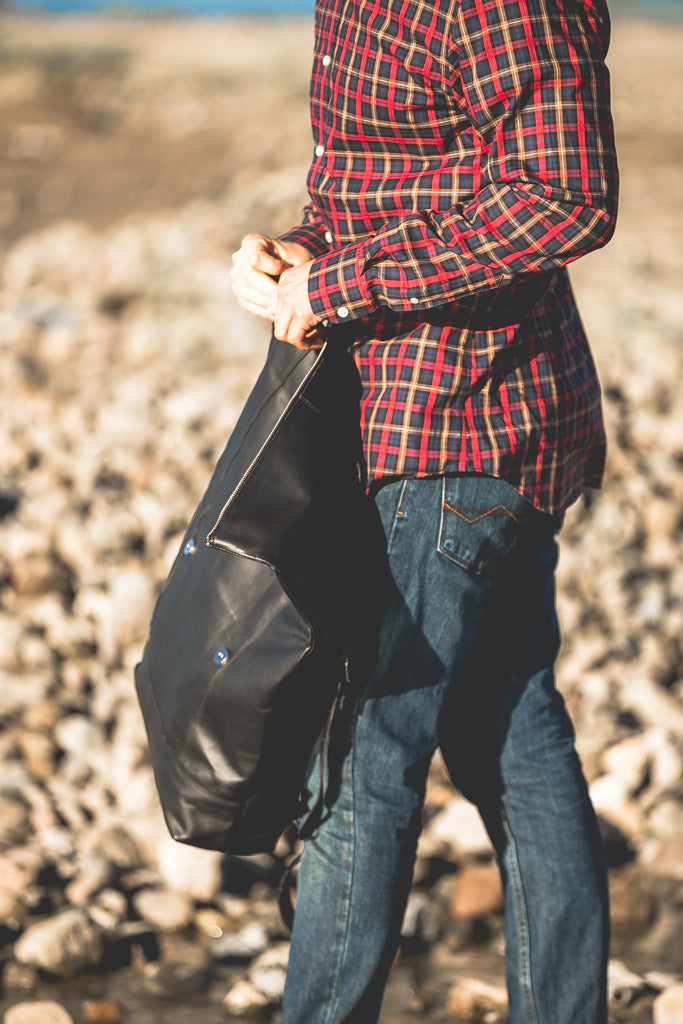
x=135 y=151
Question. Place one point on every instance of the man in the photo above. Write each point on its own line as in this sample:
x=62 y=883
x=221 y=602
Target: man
x=463 y=156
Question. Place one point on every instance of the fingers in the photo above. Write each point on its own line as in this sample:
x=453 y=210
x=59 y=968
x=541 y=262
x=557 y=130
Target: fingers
x=294 y=320
x=254 y=290
x=259 y=252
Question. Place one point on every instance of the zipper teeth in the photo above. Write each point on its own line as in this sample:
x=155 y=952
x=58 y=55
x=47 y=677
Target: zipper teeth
x=259 y=454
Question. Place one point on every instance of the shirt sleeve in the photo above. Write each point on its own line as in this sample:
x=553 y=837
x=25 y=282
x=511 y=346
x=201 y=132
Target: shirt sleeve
x=532 y=78
x=312 y=232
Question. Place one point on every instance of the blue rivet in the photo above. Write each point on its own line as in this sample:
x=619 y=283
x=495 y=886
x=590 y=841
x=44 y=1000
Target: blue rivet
x=220 y=657
x=190 y=547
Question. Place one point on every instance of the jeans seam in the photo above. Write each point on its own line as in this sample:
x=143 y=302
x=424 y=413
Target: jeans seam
x=522 y=922
x=399 y=512
x=334 y=995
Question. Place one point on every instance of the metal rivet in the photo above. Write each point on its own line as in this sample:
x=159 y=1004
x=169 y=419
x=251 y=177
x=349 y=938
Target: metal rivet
x=190 y=547
x=220 y=657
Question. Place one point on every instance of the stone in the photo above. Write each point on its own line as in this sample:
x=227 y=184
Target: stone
x=95 y=873
x=668 y=1006
x=83 y=739
x=629 y=761
x=63 y=944
x=612 y=800
x=245 y=1000
x=19 y=978
x=10 y=637
x=663 y=856
x=624 y=986
x=19 y=869
x=11 y=909
x=40 y=573
x=457 y=830
x=477 y=891
x=421 y=927
x=242 y=946
x=210 y=922
x=132 y=600
x=471 y=999
x=108 y=910
x=102 y=1011
x=116 y=844
x=167 y=910
x=38 y=751
x=270 y=982
x=44 y=1011
x=189 y=870
x=172 y=979
x=666 y=818
x=15 y=825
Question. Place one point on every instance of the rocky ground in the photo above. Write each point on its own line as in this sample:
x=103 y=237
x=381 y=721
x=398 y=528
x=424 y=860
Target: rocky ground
x=133 y=157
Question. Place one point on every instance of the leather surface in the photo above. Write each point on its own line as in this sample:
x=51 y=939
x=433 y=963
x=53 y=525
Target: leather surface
x=277 y=548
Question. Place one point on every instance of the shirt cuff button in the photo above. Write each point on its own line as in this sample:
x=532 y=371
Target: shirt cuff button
x=342 y=312
x=414 y=299
x=328 y=237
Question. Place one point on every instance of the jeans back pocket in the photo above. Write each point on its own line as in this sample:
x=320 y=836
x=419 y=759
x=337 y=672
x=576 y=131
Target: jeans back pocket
x=482 y=519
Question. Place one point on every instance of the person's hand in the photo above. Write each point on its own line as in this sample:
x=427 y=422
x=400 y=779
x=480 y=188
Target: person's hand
x=294 y=320
x=257 y=265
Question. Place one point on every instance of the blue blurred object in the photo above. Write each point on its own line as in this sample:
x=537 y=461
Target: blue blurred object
x=206 y=8
x=217 y=8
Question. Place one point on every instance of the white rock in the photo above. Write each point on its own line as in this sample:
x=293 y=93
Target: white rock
x=94 y=874
x=245 y=1000
x=668 y=1006
x=472 y=999
x=457 y=828
x=44 y=1011
x=10 y=635
x=108 y=910
x=666 y=756
x=629 y=762
x=667 y=817
x=63 y=944
x=610 y=796
x=167 y=910
x=132 y=597
x=83 y=739
x=269 y=971
x=189 y=870
x=623 y=985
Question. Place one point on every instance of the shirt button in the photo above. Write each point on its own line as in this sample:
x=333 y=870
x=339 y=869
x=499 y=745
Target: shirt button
x=327 y=60
x=328 y=237
x=342 y=312
x=414 y=299
x=319 y=150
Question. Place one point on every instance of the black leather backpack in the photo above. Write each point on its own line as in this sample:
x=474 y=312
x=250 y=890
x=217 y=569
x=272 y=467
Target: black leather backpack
x=268 y=595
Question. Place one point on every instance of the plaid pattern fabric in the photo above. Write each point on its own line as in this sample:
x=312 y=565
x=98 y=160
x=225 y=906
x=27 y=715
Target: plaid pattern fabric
x=463 y=156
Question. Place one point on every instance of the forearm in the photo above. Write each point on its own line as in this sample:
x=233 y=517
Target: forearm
x=536 y=90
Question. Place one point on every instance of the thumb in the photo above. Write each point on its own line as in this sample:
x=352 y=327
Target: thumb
x=262 y=254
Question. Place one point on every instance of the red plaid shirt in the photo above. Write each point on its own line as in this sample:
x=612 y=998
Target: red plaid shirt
x=463 y=155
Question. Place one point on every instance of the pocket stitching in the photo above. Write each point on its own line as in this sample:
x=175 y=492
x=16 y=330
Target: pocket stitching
x=482 y=515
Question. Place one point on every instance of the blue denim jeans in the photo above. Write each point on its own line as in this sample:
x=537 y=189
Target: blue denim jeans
x=465 y=661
